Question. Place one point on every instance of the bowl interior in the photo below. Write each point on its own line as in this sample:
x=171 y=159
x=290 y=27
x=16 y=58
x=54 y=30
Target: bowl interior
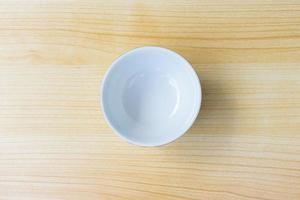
x=151 y=96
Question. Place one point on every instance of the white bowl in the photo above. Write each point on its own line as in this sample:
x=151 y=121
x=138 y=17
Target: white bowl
x=151 y=96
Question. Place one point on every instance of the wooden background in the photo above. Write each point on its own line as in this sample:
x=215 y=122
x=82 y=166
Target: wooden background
x=54 y=143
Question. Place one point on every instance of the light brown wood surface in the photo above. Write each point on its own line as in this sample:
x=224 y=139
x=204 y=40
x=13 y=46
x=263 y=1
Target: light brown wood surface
x=55 y=144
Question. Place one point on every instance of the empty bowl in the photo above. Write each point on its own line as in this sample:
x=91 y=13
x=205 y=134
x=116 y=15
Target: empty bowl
x=150 y=96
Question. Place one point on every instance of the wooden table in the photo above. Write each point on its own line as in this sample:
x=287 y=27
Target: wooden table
x=55 y=144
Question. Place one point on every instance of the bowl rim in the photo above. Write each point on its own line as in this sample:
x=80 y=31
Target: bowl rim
x=195 y=78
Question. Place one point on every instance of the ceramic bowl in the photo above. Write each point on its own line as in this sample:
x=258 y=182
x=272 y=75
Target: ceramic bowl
x=150 y=96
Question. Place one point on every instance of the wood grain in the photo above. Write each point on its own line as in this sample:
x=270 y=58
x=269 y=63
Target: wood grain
x=54 y=143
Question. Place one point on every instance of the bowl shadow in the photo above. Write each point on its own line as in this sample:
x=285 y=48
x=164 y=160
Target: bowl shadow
x=217 y=117
x=216 y=114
